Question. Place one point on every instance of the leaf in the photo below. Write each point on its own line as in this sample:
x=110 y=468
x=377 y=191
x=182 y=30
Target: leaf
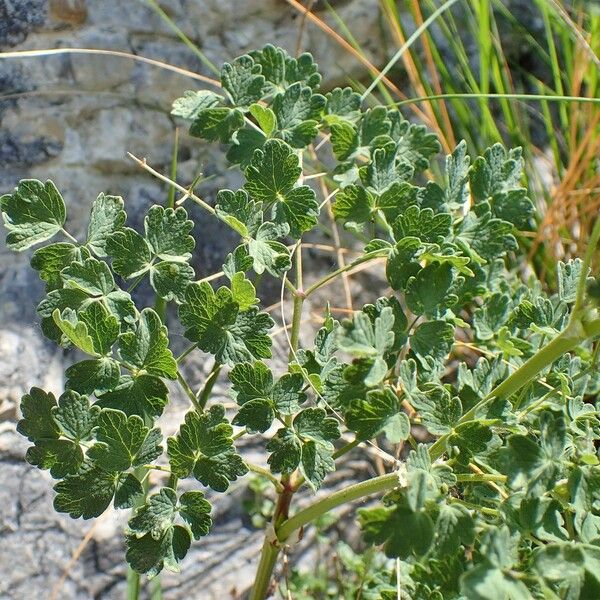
x=403 y=532
x=487 y=236
x=415 y=145
x=195 y=511
x=204 y=446
x=37 y=422
x=168 y=233
x=259 y=397
x=379 y=412
x=384 y=170
x=265 y=118
x=243 y=292
x=128 y=490
x=156 y=515
x=457 y=176
x=453 y=527
x=147 y=346
x=342 y=103
x=242 y=80
x=354 y=203
x=308 y=444
x=52 y=259
x=107 y=217
x=484 y=582
x=267 y=253
x=568 y=279
x=213 y=321
x=429 y=292
x=402 y=262
x=423 y=224
x=129 y=251
x=297 y=111
x=370 y=339
x=75 y=417
x=143 y=395
x=374 y=123
x=91 y=276
x=120 y=439
x=86 y=494
x=344 y=140
x=431 y=342
x=217 y=124
x=150 y=556
x=271 y=177
x=439 y=412
x=488 y=319
x=170 y=279
x=94 y=330
x=192 y=102
x=239 y=212
x=33 y=213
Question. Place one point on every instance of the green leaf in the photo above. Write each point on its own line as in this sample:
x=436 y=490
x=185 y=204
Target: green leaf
x=91 y=276
x=453 y=527
x=487 y=236
x=423 y=224
x=267 y=253
x=354 y=203
x=342 y=104
x=204 y=446
x=52 y=259
x=37 y=422
x=239 y=212
x=568 y=278
x=457 y=176
x=431 y=342
x=439 y=411
x=128 y=490
x=297 y=111
x=415 y=144
x=61 y=457
x=170 y=279
x=370 y=339
x=243 y=292
x=374 y=123
x=271 y=177
x=244 y=143
x=195 y=511
x=243 y=81
x=384 y=170
x=214 y=321
x=108 y=216
x=168 y=233
x=265 y=118
x=129 y=251
x=402 y=262
x=403 y=532
x=485 y=582
x=286 y=451
x=156 y=515
x=192 y=102
x=75 y=417
x=344 y=140
x=488 y=319
x=143 y=395
x=429 y=292
x=121 y=441
x=33 y=213
x=379 y=412
x=149 y=555
x=86 y=494
x=147 y=346
x=259 y=397
x=217 y=124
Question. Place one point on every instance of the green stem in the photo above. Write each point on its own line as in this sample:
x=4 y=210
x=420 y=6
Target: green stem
x=133 y=584
x=189 y=392
x=477 y=478
x=268 y=558
x=266 y=473
x=564 y=342
x=208 y=385
x=353 y=492
x=185 y=353
x=363 y=259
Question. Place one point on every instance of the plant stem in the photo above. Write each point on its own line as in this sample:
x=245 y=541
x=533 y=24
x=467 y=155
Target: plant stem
x=266 y=473
x=365 y=258
x=208 y=385
x=353 y=492
x=189 y=392
x=268 y=558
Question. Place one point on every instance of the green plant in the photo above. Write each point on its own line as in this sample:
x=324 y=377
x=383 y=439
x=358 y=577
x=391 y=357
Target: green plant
x=502 y=498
